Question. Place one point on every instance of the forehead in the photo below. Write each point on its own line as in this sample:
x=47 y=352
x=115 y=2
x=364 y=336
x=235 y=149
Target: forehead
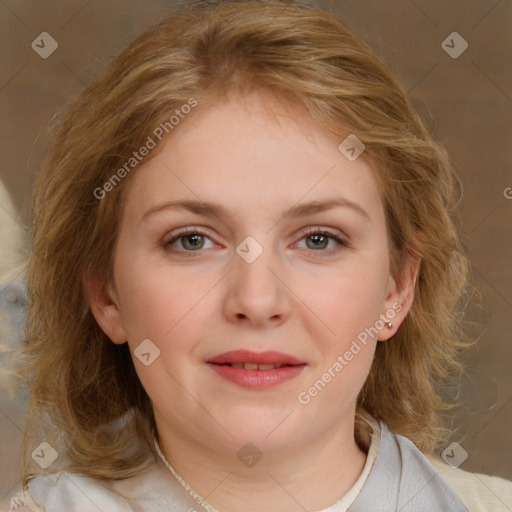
x=251 y=153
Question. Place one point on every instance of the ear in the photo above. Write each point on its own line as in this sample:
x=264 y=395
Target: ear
x=399 y=297
x=104 y=307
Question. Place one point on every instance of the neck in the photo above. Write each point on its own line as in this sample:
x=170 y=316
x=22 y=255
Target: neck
x=309 y=477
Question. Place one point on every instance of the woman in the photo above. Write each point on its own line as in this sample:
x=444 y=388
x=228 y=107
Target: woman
x=245 y=282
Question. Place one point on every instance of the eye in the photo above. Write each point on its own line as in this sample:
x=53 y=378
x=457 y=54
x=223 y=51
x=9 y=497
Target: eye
x=318 y=239
x=191 y=240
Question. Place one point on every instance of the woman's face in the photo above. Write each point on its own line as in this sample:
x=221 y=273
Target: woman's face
x=195 y=285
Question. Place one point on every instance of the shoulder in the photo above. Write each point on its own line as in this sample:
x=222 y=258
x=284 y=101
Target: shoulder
x=153 y=489
x=68 y=492
x=478 y=492
x=424 y=482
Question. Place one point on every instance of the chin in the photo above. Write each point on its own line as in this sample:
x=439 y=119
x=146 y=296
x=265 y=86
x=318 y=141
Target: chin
x=269 y=432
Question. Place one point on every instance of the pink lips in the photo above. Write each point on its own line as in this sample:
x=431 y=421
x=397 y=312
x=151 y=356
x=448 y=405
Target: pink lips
x=261 y=377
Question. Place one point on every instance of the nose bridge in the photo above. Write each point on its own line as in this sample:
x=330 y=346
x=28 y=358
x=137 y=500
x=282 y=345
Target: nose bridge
x=254 y=260
x=256 y=291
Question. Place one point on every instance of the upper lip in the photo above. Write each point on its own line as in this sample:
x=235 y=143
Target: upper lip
x=247 y=356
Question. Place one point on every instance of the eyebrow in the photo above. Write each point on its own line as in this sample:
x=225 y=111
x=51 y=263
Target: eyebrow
x=209 y=209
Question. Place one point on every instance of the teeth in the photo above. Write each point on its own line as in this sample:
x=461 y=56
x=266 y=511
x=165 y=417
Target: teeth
x=266 y=366
x=255 y=366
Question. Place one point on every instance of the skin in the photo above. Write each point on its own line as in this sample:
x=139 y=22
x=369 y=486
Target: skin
x=255 y=157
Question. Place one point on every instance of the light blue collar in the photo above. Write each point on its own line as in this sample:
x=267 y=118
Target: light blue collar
x=403 y=480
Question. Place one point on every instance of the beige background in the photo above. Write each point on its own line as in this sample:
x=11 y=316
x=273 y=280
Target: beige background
x=467 y=103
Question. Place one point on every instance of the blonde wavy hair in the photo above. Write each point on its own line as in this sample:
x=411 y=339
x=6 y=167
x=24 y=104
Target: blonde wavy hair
x=84 y=388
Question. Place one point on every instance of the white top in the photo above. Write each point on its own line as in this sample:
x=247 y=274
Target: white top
x=391 y=480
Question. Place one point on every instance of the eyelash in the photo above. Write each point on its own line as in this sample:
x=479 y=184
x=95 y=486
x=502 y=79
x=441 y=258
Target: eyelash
x=198 y=231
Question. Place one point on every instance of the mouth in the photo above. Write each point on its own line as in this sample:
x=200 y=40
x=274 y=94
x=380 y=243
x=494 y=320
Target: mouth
x=255 y=366
x=256 y=370
x=247 y=357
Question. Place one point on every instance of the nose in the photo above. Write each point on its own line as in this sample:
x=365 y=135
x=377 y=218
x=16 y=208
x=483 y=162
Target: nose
x=256 y=291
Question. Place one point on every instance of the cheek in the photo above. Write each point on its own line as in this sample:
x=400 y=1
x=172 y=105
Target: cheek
x=350 y=309
x=157 y=300
x=341 y=380
x=353 y=306
x=348 y=301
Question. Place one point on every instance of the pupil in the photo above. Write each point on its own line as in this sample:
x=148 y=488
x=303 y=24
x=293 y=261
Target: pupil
x=316 y=238
x=196 y=241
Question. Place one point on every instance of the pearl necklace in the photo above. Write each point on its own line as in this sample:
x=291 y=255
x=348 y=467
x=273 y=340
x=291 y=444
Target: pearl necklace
x=201 y=501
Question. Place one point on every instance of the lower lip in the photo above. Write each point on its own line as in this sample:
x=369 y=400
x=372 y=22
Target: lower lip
x=257 y=379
